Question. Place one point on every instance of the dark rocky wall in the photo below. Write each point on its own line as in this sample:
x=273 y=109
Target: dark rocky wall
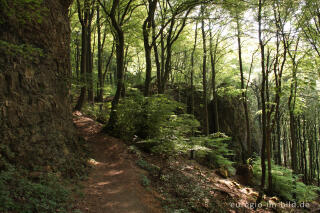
x=232 y=122
x=36 y=129
x=231 y=117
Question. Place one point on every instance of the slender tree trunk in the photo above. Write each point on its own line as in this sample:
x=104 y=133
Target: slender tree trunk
x=107 y=65
x=147 y=24
x=100 y=76
x=213 y=59
x=156 y=55
x=119 y=36
x=263 y=104
x=269 y=125
x=204 y=80
x=147 y=51
x=318 y=149
x=291 y=107
x=83 y=69
x=167 y=67
x=162 y=59
x=294 y=162
x=278 y=138
x=172 y=35
x=90 y=67
x=77 y=58
x=125 y=69
x=192 y=69
x=285 y=149
x=244 y=95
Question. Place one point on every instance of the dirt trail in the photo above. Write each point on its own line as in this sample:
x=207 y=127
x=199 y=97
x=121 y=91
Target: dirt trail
x=113 y=185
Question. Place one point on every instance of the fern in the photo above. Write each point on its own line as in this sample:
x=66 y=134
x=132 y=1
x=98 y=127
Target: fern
x=217 y=153
x=286 y=184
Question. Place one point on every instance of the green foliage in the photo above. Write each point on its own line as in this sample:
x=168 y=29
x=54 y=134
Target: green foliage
x=152 y=169
x=175 y=134
x=229 y=91
x=145 y=181
x=98 y=111
x=286 y=184
x=19 y=194
x=217 y=153
x=25 y=51
x=22 y=11
x=176 y=137
x=144 y=117
x=134 y=150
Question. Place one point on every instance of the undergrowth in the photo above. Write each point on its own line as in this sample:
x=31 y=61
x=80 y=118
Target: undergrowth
x=286 y=184
x=186 y=193
x=21 y=194
x=217 y=154
x=152 y=169
x=143 y=117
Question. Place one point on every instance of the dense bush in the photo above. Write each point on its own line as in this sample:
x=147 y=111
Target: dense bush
x=216 y=153
x=285 y=184
x=144 y=117
x=175 y=136
x=98 y=111
x=19 y=194
x=168 y=132
x=152 y=169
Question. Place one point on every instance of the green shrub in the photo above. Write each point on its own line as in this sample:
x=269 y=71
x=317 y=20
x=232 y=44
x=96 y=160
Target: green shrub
x=152 y=169
x=216 y=153
x=145 y=181
x=285 y=184
x=98 y=111
x=19 y=194
x=174 y=137
x=144 y=117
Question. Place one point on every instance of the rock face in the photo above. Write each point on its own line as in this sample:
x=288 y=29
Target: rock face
x=232 y=122
x=36 y=129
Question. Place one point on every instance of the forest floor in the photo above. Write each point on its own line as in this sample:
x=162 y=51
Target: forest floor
x=114 y=183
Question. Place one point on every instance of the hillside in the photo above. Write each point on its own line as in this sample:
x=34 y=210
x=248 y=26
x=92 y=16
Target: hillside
x=124 y=179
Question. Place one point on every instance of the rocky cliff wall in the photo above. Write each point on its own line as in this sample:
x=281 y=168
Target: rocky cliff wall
x=36 y=129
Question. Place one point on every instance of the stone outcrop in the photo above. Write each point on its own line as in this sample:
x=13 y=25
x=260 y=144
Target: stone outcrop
x=36 y=129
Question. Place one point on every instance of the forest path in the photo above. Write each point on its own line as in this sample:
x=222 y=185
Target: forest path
x=113 y=185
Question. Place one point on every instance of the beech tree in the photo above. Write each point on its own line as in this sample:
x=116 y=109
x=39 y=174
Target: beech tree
x=85 y=17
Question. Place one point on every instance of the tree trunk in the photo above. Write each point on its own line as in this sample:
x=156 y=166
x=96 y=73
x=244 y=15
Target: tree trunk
x=119 y=36
x=269 y=124
x=83 y=70
x=263 y=103
x=318 y=150
x=147 y=24
x=285 y=149
x=192 y=70
x=77 y=58
x=90 y=66
x=204 y=80
x=213 y=59
x=156 y=55
x=294 y=162
x=244 y=95
x=172 y=35
x=100 y=76
x=84 y=18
